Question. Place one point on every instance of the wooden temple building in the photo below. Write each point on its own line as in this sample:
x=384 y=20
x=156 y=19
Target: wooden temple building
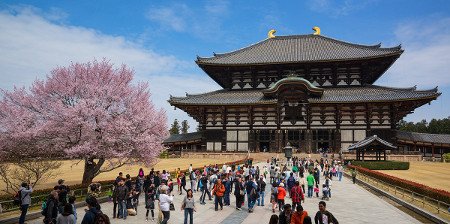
x=312 y=91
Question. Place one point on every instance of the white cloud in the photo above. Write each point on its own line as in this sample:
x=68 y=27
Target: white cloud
x=425 y=62
x=32 y=44
x=173 y=17
x=204 y=22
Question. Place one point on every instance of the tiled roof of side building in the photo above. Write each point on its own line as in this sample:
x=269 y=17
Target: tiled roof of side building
x=370 y=93
x=423 y=137
x=299 y=48
x=372 y=140
x=183 y=137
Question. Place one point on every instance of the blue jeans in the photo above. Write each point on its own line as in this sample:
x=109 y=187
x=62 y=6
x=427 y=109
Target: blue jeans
x=24 y=209
x=205 y=191
x=226 y=198
x=123 y=213
x=310 y=191
x=190 y=212
x=250 y=202
x=261 y=198
x=340 y=176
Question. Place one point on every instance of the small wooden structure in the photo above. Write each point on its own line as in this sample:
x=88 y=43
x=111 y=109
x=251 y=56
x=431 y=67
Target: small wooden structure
x=371 y=144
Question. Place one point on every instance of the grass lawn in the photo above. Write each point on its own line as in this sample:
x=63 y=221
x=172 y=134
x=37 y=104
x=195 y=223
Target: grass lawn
x=432 y=174
x=73 y=174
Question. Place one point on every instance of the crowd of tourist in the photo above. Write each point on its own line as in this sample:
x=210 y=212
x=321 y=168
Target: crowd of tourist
x=247 y=183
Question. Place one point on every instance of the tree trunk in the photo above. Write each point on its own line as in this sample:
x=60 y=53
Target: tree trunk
x=91 y=170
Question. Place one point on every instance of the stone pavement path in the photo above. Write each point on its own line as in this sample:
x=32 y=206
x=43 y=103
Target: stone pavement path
x=349 y=204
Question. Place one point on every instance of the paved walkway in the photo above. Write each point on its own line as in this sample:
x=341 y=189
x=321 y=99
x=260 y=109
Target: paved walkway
x=349 y=204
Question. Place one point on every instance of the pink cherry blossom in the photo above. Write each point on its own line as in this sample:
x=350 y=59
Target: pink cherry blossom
x=89 y=111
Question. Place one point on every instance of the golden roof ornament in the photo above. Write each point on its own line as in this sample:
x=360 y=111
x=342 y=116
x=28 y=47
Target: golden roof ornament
x=271 y=34
x=317 y=29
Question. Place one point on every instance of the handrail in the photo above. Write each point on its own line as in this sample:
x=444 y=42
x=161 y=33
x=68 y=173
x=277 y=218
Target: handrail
x=437 y=205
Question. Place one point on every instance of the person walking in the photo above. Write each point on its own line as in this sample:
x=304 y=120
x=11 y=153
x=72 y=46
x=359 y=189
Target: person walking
x=193 y=179
x=252 y=193
x=239 y=192
x=164 y=203
x=188 y=205
x=299 y=216
x=354 y=175
x=226 y=197
x=204 y=189
x=120 y=195
x=340 y=169
x=183 y=183
x=218 y=191
x=24 y=194
x=310 y=180
x=281 y=195
x=66 y=217
x=285 y=215
x=274 y=196
x=297 y=195
x=323 y=216
x=150 y=194
x=262 y=190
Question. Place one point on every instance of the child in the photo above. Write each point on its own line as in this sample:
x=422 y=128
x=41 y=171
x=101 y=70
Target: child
x=130 y=203
x=72 y=202
x=316 y=190
x=324 y=192
x=150 y=202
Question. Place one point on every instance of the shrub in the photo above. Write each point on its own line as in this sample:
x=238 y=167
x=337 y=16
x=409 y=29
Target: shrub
x=446 y=157
x=437 y=194
x=382 y=165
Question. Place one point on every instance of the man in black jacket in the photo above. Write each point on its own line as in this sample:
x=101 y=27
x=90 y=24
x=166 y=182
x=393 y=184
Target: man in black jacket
x=238 y=187
x=119 y=195
x=323 y=216
x=51 y=211
x=285 y=215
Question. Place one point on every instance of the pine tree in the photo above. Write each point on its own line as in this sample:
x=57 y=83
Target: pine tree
x=184 y=127
x=175 y=128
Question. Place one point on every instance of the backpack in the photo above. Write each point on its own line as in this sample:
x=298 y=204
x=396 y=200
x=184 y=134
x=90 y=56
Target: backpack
x=18 y=198
x=254 y=193
x=44 y=208
x=101 y=218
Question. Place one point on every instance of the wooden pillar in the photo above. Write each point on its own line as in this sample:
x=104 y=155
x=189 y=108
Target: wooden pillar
x=384 y=155
x=432 y=150
x=363 y=154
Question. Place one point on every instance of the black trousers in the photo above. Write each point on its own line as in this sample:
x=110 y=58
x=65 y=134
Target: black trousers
x=239 y=201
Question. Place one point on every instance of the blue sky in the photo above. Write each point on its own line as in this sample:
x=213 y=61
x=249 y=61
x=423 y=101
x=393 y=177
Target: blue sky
x=160 y=39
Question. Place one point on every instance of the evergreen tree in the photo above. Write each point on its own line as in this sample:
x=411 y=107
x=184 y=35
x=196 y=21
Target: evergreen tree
x=184 y=127
x=175 y=128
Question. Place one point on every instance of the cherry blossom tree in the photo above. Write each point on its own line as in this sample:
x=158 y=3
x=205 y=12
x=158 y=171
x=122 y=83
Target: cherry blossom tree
x=88 y=111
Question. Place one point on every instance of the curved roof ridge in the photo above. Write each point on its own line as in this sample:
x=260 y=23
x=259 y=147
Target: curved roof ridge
x=215 y=55
x=199 y=94
x=376 y=46
x=413 y=88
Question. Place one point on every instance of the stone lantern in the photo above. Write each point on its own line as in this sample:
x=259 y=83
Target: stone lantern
x=288 y=154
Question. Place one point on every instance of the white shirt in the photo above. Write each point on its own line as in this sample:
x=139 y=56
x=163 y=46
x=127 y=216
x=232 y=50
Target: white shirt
x=164 y=202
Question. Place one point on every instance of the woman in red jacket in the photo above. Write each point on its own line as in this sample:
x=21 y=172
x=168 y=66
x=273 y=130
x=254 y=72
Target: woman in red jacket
x=281 y=195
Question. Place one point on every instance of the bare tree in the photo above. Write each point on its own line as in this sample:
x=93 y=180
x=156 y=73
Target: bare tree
x=34 y=172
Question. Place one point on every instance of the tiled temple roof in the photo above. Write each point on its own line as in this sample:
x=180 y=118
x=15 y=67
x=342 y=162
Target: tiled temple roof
x=297 y=49
x=372 y=141
x=183 y=137
x=369 y=93
x=423 y=137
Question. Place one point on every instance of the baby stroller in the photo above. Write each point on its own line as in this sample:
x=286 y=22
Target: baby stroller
x=325 y=192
